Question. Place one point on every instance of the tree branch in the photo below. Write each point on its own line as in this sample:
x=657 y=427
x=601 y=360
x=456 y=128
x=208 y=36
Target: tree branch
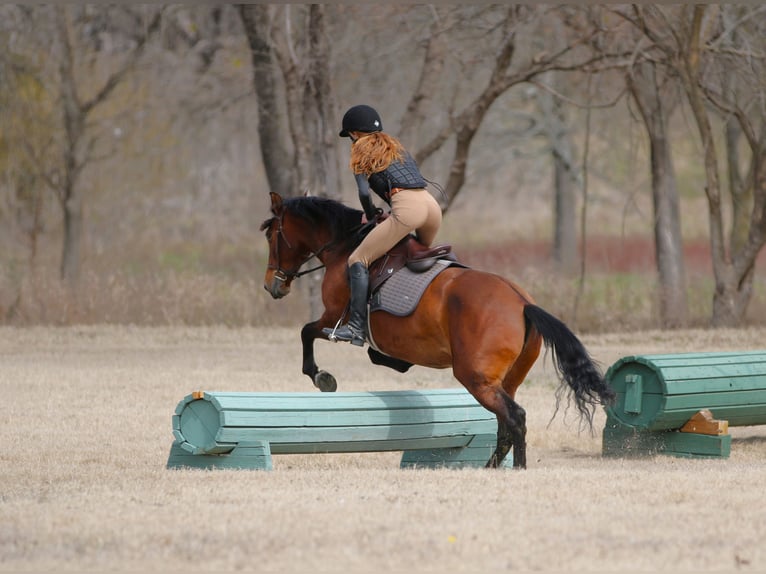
x=114 y=79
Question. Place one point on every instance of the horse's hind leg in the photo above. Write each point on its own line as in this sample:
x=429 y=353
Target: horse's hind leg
x=504 y=444
x=523 y=364
x=511 y=424
x=518 y=431
x=513 y=434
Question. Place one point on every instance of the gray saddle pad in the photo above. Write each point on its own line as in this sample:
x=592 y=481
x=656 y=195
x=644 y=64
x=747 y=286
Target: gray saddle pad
x=401 y=294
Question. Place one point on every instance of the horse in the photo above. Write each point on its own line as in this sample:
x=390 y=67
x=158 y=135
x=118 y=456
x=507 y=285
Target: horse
x=484 y=327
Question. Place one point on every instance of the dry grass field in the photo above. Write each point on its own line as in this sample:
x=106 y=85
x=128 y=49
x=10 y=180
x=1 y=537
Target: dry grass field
x=86 y=428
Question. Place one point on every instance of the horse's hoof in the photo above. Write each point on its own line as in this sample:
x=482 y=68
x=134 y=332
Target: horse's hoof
x=325 y=382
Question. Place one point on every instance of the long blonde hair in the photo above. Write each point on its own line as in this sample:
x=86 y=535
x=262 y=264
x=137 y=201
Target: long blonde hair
x=374 y=152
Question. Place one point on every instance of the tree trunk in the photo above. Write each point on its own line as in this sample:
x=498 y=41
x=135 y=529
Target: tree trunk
x=321 y=123
x=565 y=253
x=668 y=242
x=74 y=121
x=277 y=160
x=565 y=217
x=732 y=289
x=740 y=188
x=73 y=227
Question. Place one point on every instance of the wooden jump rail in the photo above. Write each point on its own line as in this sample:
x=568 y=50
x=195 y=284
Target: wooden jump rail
x=434 y=428
x=683 y=404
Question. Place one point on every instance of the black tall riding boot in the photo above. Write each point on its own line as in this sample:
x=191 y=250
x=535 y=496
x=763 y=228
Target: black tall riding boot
x=356 y=329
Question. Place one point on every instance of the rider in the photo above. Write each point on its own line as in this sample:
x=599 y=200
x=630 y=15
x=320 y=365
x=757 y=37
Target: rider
x=379 y=161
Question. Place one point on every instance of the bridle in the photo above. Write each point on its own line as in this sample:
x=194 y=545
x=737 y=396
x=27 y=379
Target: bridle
x=284 y=276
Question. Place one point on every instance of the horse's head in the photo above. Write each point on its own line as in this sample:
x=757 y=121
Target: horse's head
x=302 y=228
x=288 y=248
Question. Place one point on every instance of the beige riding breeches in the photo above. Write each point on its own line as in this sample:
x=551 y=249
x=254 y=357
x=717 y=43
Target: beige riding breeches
x=411 y=210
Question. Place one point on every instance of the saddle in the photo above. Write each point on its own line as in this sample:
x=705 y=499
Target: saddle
x=408 y=252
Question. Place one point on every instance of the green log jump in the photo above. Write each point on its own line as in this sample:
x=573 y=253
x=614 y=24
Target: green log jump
x=683 y=404
x=433 y=428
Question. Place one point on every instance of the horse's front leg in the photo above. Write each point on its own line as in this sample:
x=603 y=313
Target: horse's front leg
x=322 y=380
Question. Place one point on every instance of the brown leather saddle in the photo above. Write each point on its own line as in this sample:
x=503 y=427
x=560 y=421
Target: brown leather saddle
x=408 y=252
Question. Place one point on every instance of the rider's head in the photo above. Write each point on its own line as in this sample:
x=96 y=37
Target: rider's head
x=361 y=118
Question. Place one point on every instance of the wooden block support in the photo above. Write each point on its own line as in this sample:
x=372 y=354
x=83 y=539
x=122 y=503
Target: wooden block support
x=433 y=428
x=704 y=423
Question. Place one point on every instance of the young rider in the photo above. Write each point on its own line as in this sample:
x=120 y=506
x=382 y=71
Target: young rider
x=380 y=162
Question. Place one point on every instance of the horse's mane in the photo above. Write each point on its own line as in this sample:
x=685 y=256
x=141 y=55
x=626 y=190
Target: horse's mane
x=344 y=222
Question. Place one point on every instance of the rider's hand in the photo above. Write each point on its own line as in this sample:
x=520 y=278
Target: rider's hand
x=380 y=215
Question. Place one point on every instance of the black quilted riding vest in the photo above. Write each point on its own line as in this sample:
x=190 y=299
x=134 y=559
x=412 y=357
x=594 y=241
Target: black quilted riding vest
x=400 y=174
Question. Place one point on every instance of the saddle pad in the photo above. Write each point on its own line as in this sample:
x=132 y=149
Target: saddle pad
x=401 y=294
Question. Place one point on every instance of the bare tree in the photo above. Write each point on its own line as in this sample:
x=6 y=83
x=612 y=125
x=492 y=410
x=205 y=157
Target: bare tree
x=292 y=63
x=505 y=73
x=565 y=178
x=436 y=51
x=653 y=94
x=77 y=145
x=701 y=45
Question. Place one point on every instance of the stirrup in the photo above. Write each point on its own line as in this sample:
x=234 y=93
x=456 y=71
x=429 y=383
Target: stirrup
x=346 y=334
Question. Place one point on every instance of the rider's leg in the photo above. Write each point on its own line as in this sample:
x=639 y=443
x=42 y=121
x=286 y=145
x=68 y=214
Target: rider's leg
x=384 y=236
x=410 y=209
x=356 y=328
x=427 y=230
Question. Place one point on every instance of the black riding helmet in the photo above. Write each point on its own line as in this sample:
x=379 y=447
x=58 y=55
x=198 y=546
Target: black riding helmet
x=360 y=118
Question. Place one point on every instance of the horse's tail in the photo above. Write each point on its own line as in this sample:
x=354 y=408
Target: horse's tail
x=573 y=364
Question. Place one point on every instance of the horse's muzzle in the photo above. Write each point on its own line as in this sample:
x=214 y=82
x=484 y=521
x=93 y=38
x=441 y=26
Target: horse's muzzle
x=277 y=288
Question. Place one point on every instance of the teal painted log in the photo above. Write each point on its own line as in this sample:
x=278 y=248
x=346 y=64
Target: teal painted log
x=444 y=427
x=662 y=392
x=658 y=394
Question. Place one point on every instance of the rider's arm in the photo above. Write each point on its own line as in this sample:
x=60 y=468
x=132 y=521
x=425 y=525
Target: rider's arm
x=364 y=197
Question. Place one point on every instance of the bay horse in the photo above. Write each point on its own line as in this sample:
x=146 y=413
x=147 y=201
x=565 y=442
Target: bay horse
x=486 y=328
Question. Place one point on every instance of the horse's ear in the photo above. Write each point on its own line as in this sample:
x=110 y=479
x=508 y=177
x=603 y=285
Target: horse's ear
x=307 y=193
x=276 y=203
